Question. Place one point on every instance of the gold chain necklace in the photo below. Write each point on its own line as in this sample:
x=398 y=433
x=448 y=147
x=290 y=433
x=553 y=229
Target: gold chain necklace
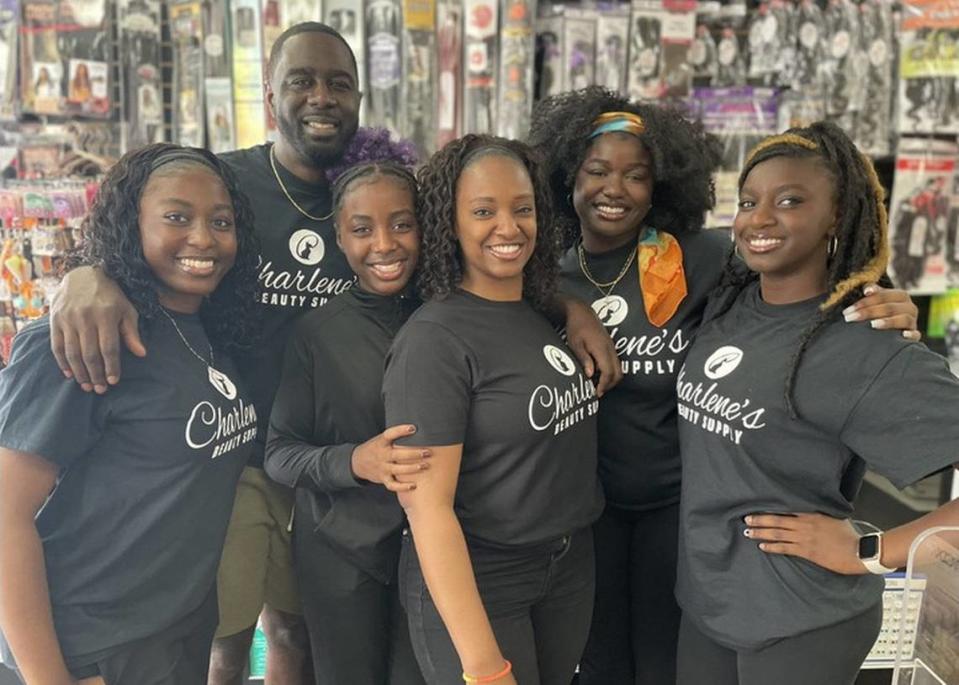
x=287 y=193
x=610 y=285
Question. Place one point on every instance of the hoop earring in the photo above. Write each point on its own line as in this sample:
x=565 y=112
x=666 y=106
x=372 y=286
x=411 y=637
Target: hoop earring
x=832 y=247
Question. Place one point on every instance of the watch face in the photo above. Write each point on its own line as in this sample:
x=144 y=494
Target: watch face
x=868 y=546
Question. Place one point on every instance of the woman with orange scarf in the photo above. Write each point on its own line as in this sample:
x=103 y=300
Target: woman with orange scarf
x=631 y=184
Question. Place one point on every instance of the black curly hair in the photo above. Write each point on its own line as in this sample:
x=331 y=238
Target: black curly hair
x=862 y=247
x=684 y=156
x=441 y=268
x=111 y=241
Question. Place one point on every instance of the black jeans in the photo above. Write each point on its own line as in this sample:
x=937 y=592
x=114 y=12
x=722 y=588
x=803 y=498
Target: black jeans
x=539 y=601
x=827 y=656
x=636 y=618
x=358 y=629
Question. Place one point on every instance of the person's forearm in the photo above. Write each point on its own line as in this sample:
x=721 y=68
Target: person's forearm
x=445 y=561
x=25 y=614
x=896 y=542
x=293 y=462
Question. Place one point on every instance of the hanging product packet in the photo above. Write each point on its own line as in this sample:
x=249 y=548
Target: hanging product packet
x=383 y=62
x=928 y=67
x=419 y=74
x=449 y=84
x=346 y=16
x=248 y=60
x=480 y=50
x=186 y=31
x=140 y=70
x=516 y=68
x=9 y=13
x=217 y=82
x=41 y=64
x=612 y=46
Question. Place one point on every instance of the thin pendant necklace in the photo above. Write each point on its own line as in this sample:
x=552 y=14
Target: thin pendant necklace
x=289 y=197
x=217 y=378
x=611 y=284
x=185 y=342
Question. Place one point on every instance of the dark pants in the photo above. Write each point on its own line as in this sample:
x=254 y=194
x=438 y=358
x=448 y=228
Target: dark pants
x=358 y=629
x=636 y=617
x=826 y=656
x=539 y=601
x=179 y=655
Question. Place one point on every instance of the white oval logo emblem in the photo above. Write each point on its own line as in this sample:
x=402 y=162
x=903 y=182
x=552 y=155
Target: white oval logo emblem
x=559 y=360
x=307 y=247
x=222 y=383
x=611 y=310
x=723 y=362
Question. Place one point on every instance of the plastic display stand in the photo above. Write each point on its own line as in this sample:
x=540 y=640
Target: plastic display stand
x=927 y=649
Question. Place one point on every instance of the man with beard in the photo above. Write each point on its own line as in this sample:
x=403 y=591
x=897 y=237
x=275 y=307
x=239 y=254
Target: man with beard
x=312 y=90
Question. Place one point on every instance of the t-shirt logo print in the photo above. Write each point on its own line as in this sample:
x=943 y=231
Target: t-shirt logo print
x=611 y=310
x=559 y=360
x=222 y=383
x=723 y=362
x=307 y=247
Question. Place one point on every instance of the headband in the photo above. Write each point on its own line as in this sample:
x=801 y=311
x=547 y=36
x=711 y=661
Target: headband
x=183 y=154
x=781 y=139
x=608 y=122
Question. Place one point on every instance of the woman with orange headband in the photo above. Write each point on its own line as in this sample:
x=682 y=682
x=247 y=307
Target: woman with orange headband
x=782 y=407
x=631 y=184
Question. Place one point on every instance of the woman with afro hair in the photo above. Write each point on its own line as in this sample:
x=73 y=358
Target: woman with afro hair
x=114 y=508
x=631 y=184
x=496 y=570
x=782 y=407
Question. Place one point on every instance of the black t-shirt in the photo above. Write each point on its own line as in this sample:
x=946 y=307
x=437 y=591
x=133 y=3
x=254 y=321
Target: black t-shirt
x=496 y=378
x=133 y=531
x=301 y=267
x=329 y=401
x=639 y=462
x=865 y=397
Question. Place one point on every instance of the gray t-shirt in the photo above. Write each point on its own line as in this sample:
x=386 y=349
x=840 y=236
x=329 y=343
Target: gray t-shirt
x=865 y=397
x=496 y=378
x=133 y=531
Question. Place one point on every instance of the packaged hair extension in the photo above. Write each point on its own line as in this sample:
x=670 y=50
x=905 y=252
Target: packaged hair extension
x=784 y=43
x=952 y=237
x=9 y=11
x=383 y=63
x=928 y=69
x=480 y=52
x=449 y=53
x=419 y=74
x=83 y=37
x=579 y=44
x=217 y=85
x=645 y=50
x=549 y=56
x=920 y=209
x=516 y=68
x=186 y=31
x=140 y=70
x=297 y=11
x=612 y=46
x=41 y=63
x=248 y=72
x=731 y=57
x=704 y=54
x=873 y=133
x=811 y=45
x=346 y=16
x=840 y=66
x=662 y=35
x=763 y=31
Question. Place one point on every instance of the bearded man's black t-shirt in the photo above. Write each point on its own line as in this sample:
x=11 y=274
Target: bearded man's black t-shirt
x=301 y=266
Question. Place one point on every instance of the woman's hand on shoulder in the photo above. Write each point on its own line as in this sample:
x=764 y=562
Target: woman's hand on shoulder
x=826 y=541
x=380 y=460
x=886 y=309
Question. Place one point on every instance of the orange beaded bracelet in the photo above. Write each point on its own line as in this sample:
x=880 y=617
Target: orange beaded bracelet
x=507 y=669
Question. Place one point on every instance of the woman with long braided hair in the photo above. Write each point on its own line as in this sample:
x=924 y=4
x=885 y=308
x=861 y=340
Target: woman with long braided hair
x=783 y=405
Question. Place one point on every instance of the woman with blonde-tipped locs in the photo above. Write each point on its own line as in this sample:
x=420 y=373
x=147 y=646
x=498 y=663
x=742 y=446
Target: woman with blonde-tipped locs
x=783 y=405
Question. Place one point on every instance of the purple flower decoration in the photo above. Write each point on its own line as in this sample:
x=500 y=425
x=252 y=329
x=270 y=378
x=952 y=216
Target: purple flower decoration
x=374 y=145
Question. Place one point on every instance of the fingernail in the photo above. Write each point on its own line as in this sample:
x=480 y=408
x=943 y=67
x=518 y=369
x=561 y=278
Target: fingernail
x=878 y=323
x=909 y=335
x=748 y=533
x=762 y=546
x=86 y=387
x=411 y=429
x=67 y=373
x=851 y=316
x=424 y=466
x=869 y=290
x=425 y=453
x=748 y=520
x=113 y=380
x=99 y=389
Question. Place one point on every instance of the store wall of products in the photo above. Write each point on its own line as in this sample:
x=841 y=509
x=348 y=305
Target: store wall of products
x=85 y=80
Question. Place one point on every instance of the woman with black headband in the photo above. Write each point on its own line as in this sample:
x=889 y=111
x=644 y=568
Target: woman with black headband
x=631 y=184
x=328 y=439
x=114 y=508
